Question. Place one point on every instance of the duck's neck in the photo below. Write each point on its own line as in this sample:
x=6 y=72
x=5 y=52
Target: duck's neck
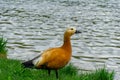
x=67 y=44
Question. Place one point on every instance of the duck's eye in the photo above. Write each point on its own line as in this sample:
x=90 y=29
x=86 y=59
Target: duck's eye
x=71 y=28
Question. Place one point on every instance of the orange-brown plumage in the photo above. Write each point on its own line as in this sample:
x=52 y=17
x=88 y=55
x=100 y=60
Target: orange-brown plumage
x=55 y=58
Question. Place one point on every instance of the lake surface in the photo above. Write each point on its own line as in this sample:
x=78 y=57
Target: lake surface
x=34 y=25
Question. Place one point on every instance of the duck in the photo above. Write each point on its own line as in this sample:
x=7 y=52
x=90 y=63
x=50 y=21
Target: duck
x=54 y=58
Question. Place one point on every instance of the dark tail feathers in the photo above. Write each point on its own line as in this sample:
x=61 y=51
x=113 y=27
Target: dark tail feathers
x=28 y=64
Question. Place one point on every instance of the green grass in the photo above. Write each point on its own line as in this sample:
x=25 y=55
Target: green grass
x=3 y=49
x=12 y=70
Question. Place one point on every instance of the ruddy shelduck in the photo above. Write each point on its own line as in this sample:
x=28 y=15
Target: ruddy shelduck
x=54 y=58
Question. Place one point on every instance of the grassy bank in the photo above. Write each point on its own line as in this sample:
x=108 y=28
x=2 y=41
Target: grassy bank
x=3 y=49
x=12 y=70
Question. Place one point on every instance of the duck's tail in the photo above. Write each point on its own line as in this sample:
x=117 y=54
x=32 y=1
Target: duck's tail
x=28 y=64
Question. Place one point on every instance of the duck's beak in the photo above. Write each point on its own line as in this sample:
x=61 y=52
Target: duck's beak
x=78 y=32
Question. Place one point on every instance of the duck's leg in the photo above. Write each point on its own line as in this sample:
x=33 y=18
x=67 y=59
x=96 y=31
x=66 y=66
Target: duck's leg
x=56 y=71
x=49 y=72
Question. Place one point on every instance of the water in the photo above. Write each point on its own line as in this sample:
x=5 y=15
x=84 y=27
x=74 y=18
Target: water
x=34 y=25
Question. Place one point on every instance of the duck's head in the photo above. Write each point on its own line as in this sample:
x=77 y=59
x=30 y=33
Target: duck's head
x=71 y=30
